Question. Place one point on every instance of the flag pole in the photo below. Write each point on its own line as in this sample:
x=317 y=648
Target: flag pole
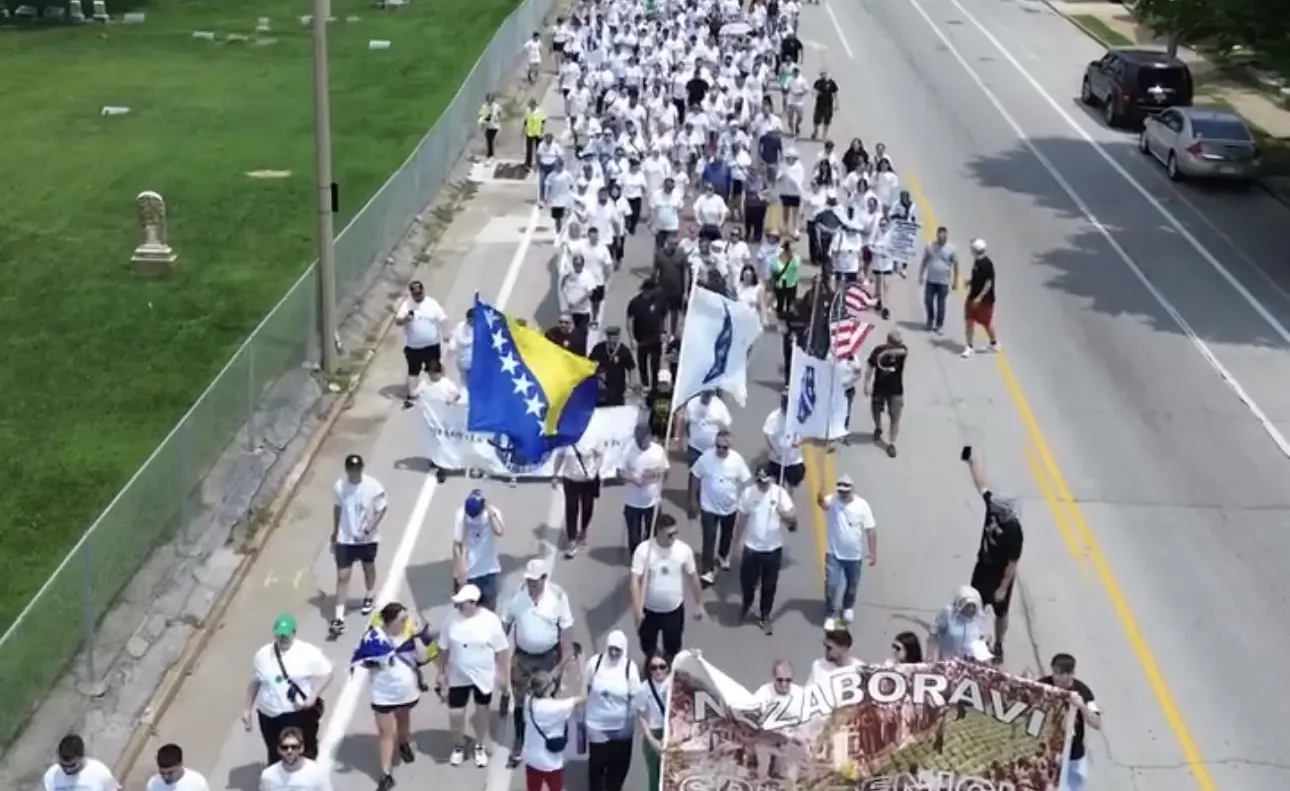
x=831 y=359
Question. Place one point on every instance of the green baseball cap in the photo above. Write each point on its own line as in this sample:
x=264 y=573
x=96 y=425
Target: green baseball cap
x=284 y=626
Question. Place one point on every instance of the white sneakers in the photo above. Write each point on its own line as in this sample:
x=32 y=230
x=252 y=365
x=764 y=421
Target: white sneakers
x=831 y=623
x=968 y=351
x=458 y=756
x=848 y=615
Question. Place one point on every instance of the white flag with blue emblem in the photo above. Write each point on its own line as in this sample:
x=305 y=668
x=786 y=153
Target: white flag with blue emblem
x=817 y=398
x=714 y=347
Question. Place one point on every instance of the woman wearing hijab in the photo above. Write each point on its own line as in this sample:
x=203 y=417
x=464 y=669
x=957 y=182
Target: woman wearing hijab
x=957 y=632
x=613 y=682
x=651 y=714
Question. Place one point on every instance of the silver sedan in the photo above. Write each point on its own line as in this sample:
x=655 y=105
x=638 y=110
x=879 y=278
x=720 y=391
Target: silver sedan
x=1197 y=142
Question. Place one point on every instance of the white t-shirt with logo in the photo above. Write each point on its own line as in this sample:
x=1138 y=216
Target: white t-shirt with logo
x=663 y=572
x=423 y=329
x=473 y=645
x=784 y=450
x=846 y=525
x=190 y=780
x=476 y=537
x=704 y=421
x=720 y=480
x=309 y=776
x=94 y=776
x=360 y=504
x=538 y=623
x=763 y=528
x=652 y=463
x=394 y=682
x=302 y=661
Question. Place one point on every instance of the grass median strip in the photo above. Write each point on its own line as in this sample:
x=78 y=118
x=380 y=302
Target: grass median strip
x=1102 y=31
x=102 y=363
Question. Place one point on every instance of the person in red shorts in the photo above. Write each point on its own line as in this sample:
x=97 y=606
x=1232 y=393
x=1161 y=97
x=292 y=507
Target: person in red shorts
x=981 y=295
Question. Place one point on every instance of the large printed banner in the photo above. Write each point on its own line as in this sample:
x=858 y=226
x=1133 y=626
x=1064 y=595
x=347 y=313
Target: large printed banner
x=949 y=726
x=452 y=447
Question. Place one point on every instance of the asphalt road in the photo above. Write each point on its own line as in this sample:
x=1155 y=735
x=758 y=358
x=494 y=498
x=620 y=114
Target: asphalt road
x=1153 y=516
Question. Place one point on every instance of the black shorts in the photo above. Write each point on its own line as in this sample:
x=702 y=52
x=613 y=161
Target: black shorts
x=986 y=580
x=419 y=359
x=790 y=201
x=736 y=190
x=674 y=302
x=823 y=115
x=349 y=554
x=598 y=294
x=381 y=709
x=793 y=474
x=557 y=47
x=458 y=697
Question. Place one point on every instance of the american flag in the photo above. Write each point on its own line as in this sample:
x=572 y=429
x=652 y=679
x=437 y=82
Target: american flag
x=857 y=300
x=848 y=335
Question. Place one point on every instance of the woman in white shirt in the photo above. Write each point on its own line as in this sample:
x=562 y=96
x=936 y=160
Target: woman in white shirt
x=559 y=193
x=634 y=185
x=750 y=292
x=461 y=344
x=546 y=733
x=886 y=184
x=578 y=474
x=393 y=650
x=612 y=684
x=790 y=183
x=882 y=266
x=651 y=714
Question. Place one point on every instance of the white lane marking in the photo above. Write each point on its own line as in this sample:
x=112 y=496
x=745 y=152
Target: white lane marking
x=846 y=45
x=347 y=704
x=1201 y=347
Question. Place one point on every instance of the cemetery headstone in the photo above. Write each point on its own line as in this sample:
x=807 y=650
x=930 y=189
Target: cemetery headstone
x=75 y=11
x=262 y=25
x=204 y=35
x=154 y=255
x=377 y=43
x=112 y=109
x=25 y=12
x=100 y=11
x=134 y=17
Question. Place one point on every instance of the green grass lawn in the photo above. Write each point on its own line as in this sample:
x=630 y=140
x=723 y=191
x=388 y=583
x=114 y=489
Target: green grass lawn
x=99 y=364
x=1102 y=31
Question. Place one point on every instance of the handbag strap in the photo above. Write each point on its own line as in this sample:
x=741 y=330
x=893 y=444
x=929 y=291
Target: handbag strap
x=657 y=698
x=292 y=686
x=536 y=727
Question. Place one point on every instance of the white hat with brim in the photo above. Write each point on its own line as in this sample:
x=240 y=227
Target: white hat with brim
x=468 y=593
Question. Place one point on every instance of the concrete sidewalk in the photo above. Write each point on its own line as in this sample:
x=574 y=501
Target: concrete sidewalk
x=1260 y=99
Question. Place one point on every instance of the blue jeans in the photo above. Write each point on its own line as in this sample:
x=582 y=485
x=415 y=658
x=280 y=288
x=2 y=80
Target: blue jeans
x=934 y=296
x=841 y=578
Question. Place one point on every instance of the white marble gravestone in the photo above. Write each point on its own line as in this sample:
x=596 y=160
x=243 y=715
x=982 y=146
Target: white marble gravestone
x=154 y=255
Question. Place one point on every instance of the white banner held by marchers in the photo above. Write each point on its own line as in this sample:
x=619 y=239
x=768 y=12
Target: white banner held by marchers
x=902 y=240
x=817 y=398
x=714 y=347
x=451 y=447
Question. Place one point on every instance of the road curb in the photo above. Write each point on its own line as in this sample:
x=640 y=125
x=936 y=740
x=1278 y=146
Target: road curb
x=1277 y=195
x=172 y=682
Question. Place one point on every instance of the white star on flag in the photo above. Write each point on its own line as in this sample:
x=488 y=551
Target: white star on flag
x=510 y=363
x=523 y=384
x=534 y=406
x=499 y=340
x=490 y=318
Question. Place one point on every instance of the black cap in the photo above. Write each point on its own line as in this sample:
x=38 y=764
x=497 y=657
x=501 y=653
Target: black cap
x=353 y=462
x=613 y=332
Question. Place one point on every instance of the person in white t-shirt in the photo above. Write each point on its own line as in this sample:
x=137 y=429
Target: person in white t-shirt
x=544 y=719
x=717 y=479
x=533 y=54
x=395 y=682
x=474 y=548
x=439 y=389
x=651 y=713
x=462 y=344
x=359 y=503
x=294 y=771
x=288 y=677
x=422 y=320
x=612 y=681
x=473 y=663
x=704 y=417
x=837 y=656
x=662 y=568
x=764 y=509
x=576 y=289
x=643 y=473
x=783 y=697
x=787 y=465
x=72 y=771
x=851 y=539
x=172 y=775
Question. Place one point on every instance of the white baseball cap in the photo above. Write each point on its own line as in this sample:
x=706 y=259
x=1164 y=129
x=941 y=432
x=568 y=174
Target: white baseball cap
x=468 y=593
x=536 y=569
x=978 y=245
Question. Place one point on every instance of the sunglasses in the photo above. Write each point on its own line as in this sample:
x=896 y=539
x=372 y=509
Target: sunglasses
x=781 y=680
x=287 y=747
x=658 y=666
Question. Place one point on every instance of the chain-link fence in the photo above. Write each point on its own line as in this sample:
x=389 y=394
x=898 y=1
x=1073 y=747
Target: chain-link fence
x=149 y=511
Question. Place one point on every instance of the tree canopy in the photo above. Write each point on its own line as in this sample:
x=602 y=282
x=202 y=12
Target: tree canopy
x=1261 y=25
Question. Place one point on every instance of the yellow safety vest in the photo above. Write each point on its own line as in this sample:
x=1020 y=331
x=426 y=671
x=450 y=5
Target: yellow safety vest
x=533 y=124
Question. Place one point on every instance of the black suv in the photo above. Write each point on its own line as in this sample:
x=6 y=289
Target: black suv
x=1130 y=84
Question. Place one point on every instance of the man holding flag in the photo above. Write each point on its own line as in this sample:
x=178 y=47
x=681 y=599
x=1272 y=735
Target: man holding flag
x=714 y=347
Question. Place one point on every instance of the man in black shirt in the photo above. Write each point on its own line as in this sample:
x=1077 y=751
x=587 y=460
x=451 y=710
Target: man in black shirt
x=696 y=89
x=567 y=336
x=884 y=383
x=671 y=269
x=658 y=407
x=614 y=366
x=1063 y=677
x=979 y=308
x=998 y=554
x=646 y=314
x=826 y=102
x=790 y=49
